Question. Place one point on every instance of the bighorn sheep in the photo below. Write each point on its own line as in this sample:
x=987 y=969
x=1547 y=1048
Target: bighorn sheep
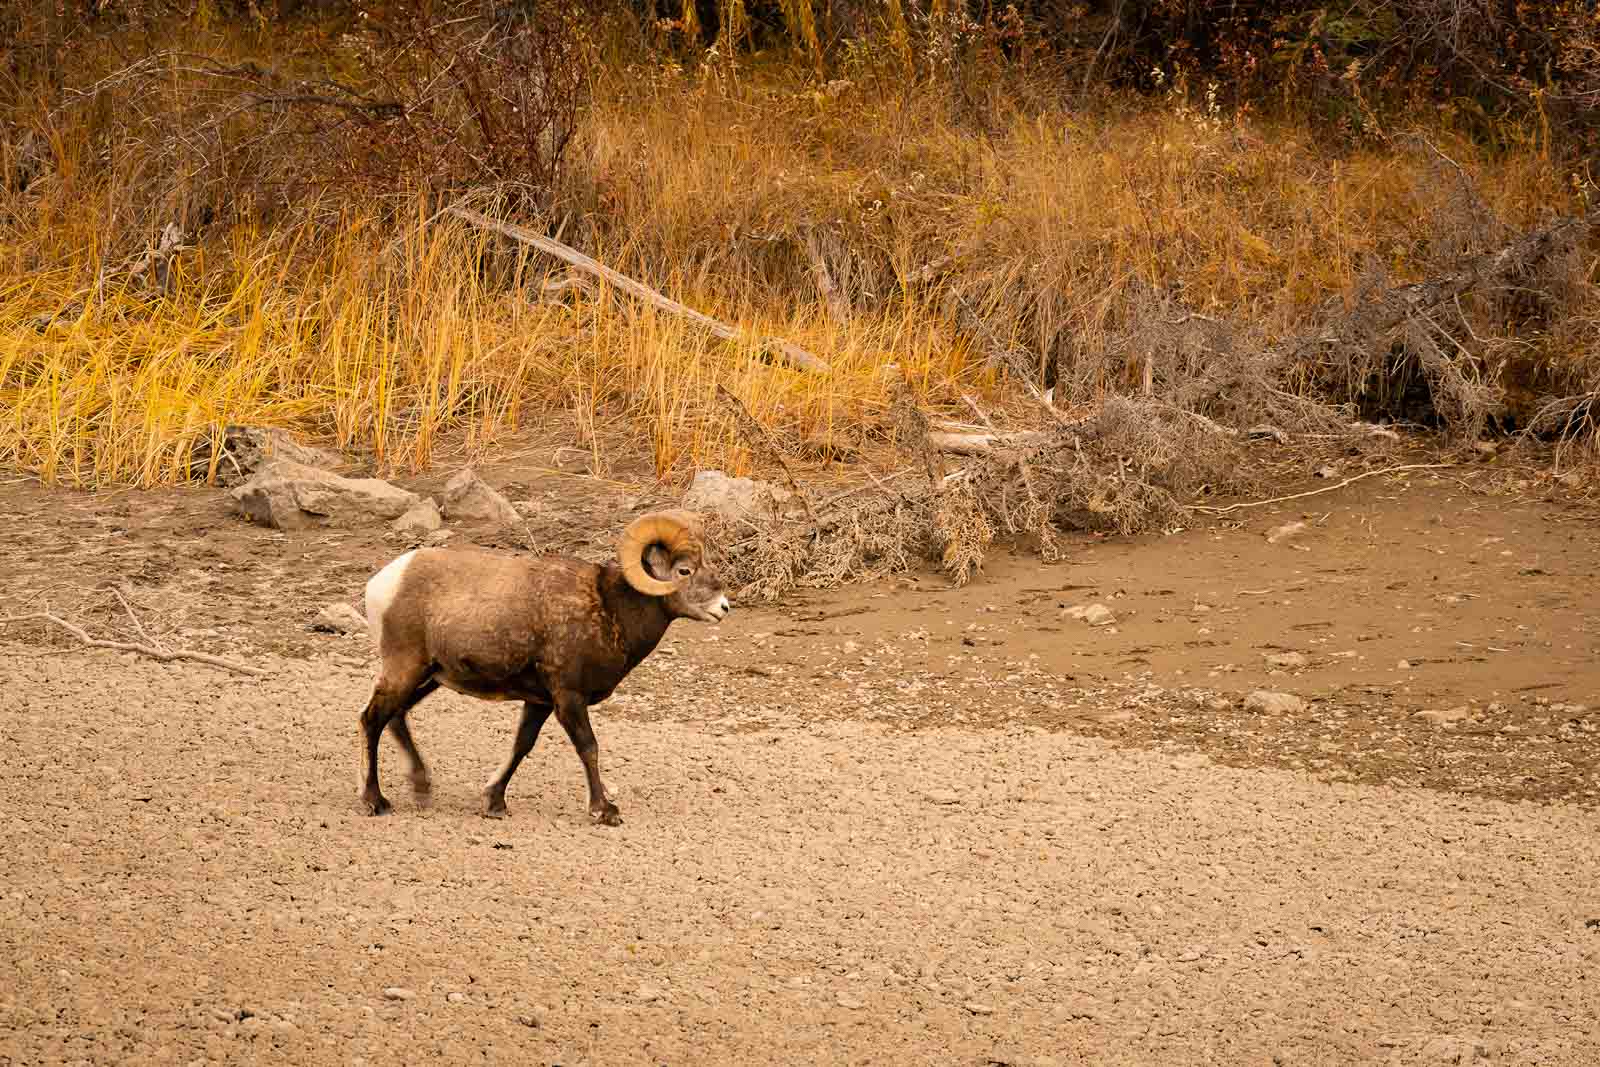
x=556 y=633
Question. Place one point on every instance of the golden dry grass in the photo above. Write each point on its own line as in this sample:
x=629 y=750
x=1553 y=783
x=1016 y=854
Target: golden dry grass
x=1053 y=225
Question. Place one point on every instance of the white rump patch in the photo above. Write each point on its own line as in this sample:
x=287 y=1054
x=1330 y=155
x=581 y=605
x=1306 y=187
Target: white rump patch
x=381 y=590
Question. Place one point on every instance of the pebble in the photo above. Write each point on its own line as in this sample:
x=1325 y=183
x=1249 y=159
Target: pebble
x=978 y=1008
x=397 y=992
x=1269 y=703
x=1287 y=660
x=455 y=998
x=1285 y=532
x=1444 y=716
x=851 y=1002
x=649 y=993
x=1093 y=614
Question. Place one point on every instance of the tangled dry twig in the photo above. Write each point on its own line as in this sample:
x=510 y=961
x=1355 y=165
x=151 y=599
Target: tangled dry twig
x=163 y=654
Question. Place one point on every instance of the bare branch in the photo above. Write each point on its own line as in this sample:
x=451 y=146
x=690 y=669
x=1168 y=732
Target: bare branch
x=165 y=655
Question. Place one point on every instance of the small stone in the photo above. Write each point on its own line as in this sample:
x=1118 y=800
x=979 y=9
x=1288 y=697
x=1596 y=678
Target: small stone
x=1444 y=716
x=469 y=498
x=649 y=993
x=1093 y=614
x=1268 y=703
x=1190 y=955
x=1287 y=661
x=339 y=618
x=1404 y=665
x=420 y=520
x=455 y=998
x=397 y=992
x=529 y=1020
x=978 y=1008
x=942 y=796
x=1452 y=1049
x=846 y=1001
x=1287 y=531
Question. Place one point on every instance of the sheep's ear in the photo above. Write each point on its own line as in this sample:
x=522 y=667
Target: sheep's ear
x=658 y=563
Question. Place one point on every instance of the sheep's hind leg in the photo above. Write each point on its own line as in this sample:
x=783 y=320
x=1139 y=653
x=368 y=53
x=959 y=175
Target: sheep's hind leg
x=389 y=699
x=494 y=794
x=400 y=730
x=573 y=713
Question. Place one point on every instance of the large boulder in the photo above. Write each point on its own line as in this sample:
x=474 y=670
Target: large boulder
x=293 y=496
x=737 y=499
x=468 y=498
x=247 y=449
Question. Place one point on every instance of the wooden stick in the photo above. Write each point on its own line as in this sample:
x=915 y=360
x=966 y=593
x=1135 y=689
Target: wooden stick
x=1315 y=492
x=984 y=444
x=794 y=354
x=162 y=654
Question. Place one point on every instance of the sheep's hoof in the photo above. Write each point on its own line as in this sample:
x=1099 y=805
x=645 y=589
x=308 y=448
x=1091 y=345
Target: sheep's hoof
x=606 y=816
x=375 y=804
x=494 y=807
x=422 y=789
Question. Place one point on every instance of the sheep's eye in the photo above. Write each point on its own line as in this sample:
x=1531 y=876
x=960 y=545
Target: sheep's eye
x=683 y=571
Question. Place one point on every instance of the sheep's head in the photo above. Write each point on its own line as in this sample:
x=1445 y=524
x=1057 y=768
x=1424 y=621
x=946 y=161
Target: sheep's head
x=663 y=554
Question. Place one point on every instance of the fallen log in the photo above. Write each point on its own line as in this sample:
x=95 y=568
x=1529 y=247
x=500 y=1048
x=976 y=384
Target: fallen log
x=791 y=353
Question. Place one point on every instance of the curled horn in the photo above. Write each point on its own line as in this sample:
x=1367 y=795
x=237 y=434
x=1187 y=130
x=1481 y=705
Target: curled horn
x=675 y=530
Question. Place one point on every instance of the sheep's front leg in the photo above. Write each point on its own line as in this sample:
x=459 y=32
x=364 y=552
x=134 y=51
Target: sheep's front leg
x=573 y=712
x=494 y=794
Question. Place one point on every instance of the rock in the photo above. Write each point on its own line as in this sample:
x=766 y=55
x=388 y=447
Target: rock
x=247 y=449
x=339 y=618
x=1451 y=1049
x=977 y=1008
x=1286 y=661
x=738 y=499
x=468 y=498
x=1444 y=716
x=1287 y=531
x=1268 y=703
x=942 y=796
x=850 y=1002
x=396 y=992
x=455 y=998
x=1093 y=614
x=649 y=993
x=292 y=496
x=420 y=520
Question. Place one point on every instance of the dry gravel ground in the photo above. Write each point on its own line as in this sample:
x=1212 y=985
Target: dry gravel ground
x=892 y=824
x=188 y=880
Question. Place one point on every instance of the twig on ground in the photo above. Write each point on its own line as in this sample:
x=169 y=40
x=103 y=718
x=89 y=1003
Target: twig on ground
x=163 y=654
x=137 y=625
x=1209 y=510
